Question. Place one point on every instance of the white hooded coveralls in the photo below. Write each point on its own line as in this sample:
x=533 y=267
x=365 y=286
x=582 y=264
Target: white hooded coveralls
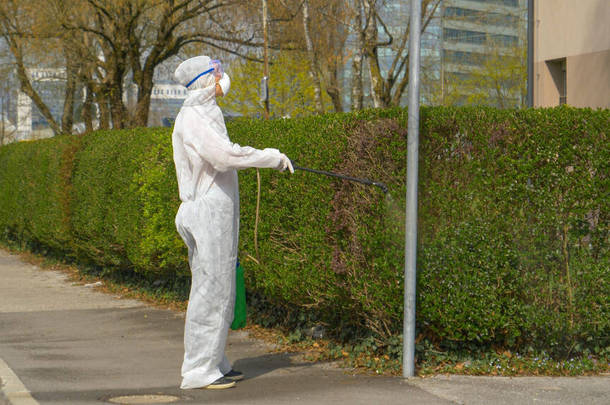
x=208 y=219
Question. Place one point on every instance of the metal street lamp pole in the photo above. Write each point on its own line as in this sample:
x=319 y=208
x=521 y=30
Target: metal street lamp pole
x=408 y=353
x=265 y=82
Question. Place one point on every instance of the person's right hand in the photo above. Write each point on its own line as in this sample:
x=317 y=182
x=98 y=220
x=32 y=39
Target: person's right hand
x=285 y=163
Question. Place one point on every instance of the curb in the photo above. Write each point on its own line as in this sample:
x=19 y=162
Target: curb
x=12 y=390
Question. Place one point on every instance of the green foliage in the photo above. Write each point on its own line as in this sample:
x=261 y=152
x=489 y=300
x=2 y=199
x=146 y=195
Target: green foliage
x=124 y=202
x=513 y=224
x=291 y=89
x=106 y=215
x=498 y=78
x=35 y=188
x=160 y=250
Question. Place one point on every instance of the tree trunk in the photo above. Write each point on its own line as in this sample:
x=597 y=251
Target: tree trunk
x=104 y=111
x=114 y=87
x=333 y=89
x=372 y=56
x=311 y=58
x=117 y=110
x=145 y=88
x=87 y=108
x=26 y=86
x=377 y=83
x=67 y=118
x=400 y=89
x=357 y=91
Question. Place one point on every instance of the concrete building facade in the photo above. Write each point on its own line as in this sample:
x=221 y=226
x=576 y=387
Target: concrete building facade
x=572 y=53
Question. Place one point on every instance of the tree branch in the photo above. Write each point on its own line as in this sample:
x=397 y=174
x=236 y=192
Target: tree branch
x=385 y=28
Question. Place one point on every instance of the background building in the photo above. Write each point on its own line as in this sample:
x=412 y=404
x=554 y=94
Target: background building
x=462 y=43
x=472 y=33
x=572 y=53
x=165 y=103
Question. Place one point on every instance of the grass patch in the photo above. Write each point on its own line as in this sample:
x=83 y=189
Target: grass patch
x=364 y=355
x=365 y=358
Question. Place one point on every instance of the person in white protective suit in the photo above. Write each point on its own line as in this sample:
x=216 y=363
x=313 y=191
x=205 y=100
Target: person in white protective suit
x=208 y=218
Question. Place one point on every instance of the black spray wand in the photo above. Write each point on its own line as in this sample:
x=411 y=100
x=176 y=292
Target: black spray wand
x=379 y=184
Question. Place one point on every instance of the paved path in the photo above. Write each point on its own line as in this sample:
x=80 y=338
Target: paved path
x=68 y=344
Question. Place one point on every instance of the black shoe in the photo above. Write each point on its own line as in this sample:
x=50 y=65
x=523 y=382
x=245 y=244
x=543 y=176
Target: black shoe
x=221 y=384
x=234 y=375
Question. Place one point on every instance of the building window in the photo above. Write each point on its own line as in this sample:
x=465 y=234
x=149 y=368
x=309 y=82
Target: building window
x=479 y=38
x=505 y=40
x=464 y=36
x=479 y=16
x=558 y=70
x=508 y=3
x=463 y=58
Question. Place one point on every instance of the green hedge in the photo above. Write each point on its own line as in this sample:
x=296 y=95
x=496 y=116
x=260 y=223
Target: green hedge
x=513 y=219
x=35 y=191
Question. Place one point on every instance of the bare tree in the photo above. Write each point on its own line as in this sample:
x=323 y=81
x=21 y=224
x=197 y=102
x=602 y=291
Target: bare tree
x=23 y=29
x=103 y=45
x=311 y=58
x=375 y=33
x=330 y=21
x=357 y=63
x=317 y=29
x=133 y=37
x=7 y=129
x=372 y=26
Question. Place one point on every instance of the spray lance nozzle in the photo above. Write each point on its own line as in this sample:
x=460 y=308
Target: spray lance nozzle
x=379 y=184
x=382 y=186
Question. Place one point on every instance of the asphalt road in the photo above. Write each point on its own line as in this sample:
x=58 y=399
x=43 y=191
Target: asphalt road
x=69 y=344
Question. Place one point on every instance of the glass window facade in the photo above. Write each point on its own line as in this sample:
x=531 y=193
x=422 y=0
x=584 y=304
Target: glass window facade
x=508 y=3
x=478 y=16
x=464 y=36
x=505 y=40
x=463 y=58
x=479 y=38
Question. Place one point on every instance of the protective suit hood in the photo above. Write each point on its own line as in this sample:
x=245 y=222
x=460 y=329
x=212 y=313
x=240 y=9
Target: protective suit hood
x=188 y=71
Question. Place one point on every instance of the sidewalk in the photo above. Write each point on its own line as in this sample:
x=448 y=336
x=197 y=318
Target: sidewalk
x=69 y=344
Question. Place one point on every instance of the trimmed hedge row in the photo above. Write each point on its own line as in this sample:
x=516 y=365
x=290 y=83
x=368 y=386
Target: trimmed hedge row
x=513 y=228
